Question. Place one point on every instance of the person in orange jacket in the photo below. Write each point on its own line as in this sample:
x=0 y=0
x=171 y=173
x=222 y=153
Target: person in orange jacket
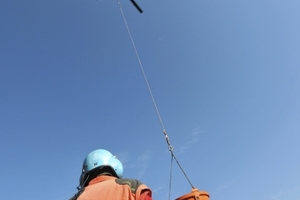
x=101 y=179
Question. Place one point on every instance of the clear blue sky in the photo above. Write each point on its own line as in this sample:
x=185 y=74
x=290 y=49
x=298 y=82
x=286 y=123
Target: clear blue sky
x=225 y=76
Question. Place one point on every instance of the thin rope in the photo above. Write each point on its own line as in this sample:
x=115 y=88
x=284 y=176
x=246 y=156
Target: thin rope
x=152 y=97
x=141 y=66
x=183 y=171
x=170 y=181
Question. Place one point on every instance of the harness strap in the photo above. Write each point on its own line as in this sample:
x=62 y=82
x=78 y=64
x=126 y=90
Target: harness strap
x=75 y=197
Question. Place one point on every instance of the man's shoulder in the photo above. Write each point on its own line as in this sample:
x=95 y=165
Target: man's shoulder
x=132 y=183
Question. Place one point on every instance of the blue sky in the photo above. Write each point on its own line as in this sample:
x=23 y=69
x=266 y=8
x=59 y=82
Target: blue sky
x=224 y=74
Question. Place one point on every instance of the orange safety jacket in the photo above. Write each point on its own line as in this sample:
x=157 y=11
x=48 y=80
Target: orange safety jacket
x=112 y=188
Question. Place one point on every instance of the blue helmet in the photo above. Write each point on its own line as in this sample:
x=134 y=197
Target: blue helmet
x=100 y=158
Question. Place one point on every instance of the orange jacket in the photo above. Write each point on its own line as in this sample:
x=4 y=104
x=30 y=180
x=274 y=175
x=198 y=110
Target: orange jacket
x=112 y=188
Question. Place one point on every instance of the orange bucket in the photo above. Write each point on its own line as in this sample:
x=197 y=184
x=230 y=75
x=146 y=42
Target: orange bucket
x=195 y=195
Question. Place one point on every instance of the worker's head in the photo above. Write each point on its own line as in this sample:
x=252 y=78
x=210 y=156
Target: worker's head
x=97 y=162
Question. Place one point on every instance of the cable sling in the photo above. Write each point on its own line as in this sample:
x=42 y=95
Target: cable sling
x=154 y=103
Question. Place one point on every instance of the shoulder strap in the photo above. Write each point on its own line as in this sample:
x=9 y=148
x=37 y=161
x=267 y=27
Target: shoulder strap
x=75 y=197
